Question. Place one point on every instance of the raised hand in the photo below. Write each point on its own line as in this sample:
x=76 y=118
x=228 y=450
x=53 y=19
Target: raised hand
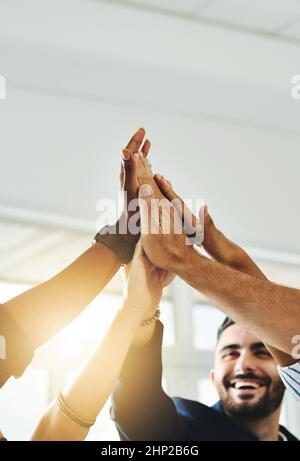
x=194 y=227
x=128 y=178
x=162 y=234
x=214 y=241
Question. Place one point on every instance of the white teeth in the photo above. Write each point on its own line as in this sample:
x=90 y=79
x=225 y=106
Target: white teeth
x=252 y=384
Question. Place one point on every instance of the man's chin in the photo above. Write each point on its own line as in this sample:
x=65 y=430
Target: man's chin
x=251 y=404
x=246 y=405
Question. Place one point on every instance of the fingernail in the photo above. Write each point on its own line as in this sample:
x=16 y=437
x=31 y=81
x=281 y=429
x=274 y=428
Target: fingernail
x=146 y=190
x=125 y=155
x=159 y=177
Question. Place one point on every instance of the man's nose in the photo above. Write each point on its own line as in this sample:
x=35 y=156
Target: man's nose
x=245 y=363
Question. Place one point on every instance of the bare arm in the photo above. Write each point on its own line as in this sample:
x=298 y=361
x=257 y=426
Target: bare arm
x=43 y=310
x=220 y=248
x=95 y=381
x=271 y=312
x=88 y=393
x=232 y=255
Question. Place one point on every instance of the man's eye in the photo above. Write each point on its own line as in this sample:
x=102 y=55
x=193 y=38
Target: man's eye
x=230 y=354
x=263 y=354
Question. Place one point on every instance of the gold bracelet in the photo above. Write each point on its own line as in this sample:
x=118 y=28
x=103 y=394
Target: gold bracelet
x=153 y=319
x=69 y=413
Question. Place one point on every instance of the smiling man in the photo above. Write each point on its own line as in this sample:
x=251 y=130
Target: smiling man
x=248 y=384
x=246 y=379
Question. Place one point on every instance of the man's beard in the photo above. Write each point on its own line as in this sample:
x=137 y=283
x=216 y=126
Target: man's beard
x=247 y=412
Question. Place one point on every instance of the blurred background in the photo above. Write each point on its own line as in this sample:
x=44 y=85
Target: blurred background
x=210 y=80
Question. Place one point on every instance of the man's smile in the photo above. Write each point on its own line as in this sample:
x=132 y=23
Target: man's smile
x=246 y=387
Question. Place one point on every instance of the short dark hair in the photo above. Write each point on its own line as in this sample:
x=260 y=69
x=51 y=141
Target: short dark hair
x=227 y=322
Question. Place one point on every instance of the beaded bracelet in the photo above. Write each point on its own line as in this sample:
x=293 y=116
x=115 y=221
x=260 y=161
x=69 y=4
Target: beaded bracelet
x=153 y=319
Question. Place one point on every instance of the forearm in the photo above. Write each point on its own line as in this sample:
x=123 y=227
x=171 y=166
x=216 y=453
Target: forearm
x=140 y=407
x=271 y=312
x=42 y=311
x=228 y=253
x=88 y=393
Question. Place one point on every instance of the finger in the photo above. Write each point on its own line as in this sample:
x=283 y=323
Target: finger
x=144 y=162
x=126 y=157
x=191 y=223
x=149 y=211
x=136 y=140
x=165 y=186
x=205 y=211
x=121 y=176
x=200 y=229
x=146 y=147
x=203 y=214
x=145 y=175
x=129 y=170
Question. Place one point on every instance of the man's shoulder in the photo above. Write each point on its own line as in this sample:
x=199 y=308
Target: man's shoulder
x=196 y=411
x=192 y=409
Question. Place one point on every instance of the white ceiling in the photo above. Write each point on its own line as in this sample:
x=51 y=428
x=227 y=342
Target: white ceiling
x=280 y=18
x=216 y=103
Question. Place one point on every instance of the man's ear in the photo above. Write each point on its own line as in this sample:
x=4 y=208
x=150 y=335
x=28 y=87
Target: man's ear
x=212 y=375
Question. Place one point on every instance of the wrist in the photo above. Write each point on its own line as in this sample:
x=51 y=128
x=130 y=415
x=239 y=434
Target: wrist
x=138 y=311
x=178 y=255
x=113 y=238
x=192 y=267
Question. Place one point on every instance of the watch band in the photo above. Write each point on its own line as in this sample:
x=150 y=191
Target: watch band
x=123 y=249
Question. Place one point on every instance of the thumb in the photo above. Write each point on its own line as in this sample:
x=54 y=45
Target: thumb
x=149 y=210
x=165 y=187
x=184 y=213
